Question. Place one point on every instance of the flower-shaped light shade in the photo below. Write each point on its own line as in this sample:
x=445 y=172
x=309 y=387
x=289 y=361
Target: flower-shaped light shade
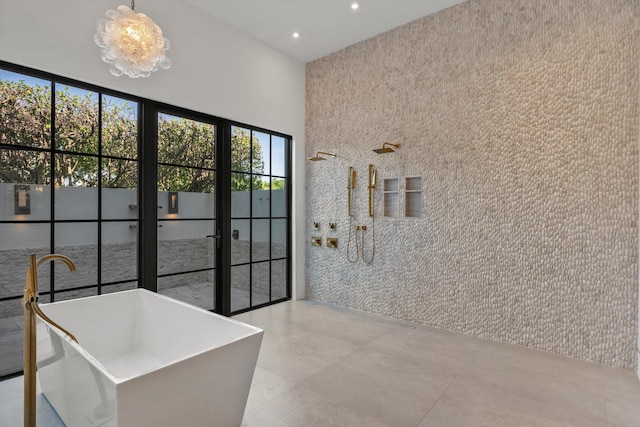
x=131 y=42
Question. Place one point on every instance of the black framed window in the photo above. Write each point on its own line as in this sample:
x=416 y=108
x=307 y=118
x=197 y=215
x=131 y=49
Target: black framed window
x=260 y=217
x=72 y=152
x=114 y=181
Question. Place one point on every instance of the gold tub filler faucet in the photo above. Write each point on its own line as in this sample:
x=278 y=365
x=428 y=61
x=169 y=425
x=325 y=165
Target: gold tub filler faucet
x=31 y=308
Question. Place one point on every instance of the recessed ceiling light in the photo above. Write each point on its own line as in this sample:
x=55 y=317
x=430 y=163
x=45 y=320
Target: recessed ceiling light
x=295 y=35
x=355 y=5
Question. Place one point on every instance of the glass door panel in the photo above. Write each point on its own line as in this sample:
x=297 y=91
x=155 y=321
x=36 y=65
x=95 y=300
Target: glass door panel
x=187 y=230
x=259 y=218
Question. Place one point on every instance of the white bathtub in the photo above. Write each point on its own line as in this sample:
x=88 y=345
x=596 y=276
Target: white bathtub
x=145 y=360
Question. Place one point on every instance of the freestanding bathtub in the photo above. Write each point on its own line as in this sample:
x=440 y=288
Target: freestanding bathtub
x=144 y=359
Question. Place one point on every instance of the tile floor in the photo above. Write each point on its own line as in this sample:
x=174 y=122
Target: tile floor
x=322 y=365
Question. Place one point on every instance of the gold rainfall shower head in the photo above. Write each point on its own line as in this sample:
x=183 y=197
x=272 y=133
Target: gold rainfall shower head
x=386 y=149
x=319 y=157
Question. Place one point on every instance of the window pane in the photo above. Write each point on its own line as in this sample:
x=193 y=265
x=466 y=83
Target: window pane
x=119 y=203
x=260 y=283
x=261 y=153
x=79 y=242
x=185 y=192
x=76 y=120
x=20 y=199
x=174 y=178
x=119 y=251
x=76 y=181
x=240 y=235
x=193 y=288
x=184 y=246
x=278 y=156
x=278 y=197
x=261 y=204
x=278 y=279
x=260 y=240
x=24 y=167
x=108 y=289
x=17 y=242
x=240 y=195
x=118 y=173
x=11 y=336
x=278 y=238
x=240 y=282
x=186 y=142
x=23 y=202
x=186 y=205
x=240 y=149
x=25 y=110
x=119 y=127
x=77 y=293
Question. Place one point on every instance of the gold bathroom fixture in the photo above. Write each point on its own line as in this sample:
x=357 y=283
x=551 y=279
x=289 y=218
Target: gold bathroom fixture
x=372 y=186
x=385 y=149
x=357 y=230
x=316 y=241
x=332 y=242
x=319 y=157
x=351 y=184
x=30 y=304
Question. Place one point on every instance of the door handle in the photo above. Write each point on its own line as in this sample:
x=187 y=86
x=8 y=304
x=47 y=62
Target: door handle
x=218 y=238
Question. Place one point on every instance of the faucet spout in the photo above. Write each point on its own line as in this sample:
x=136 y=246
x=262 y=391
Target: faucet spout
x=31 y=308
x=62 y=258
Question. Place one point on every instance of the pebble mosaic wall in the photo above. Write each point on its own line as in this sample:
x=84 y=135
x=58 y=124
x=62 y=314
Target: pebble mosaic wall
x=521 y=117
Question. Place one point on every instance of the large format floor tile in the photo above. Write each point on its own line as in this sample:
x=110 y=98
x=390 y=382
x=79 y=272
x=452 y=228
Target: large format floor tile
x=322 y=365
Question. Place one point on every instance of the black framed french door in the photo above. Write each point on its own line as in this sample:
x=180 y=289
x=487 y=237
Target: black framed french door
x=220 y=212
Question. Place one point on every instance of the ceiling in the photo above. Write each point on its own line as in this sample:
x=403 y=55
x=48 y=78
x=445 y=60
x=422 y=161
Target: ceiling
x=325 y=26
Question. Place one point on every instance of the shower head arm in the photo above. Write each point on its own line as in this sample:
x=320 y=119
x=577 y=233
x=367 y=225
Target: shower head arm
x=319 y=157
x=326 y=153
x=393 y=145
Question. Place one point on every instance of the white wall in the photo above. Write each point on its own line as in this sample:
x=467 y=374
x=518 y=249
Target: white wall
x=216 y=70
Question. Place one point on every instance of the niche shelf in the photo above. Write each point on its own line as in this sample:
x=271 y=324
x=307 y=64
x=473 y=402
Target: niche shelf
x=413 y=197
x=391 y=199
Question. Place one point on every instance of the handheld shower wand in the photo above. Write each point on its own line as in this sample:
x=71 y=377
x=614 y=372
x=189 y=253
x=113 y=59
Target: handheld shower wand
x=372 y=186
x=351 y=185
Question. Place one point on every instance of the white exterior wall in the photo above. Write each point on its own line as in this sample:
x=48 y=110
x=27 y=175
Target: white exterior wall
x=75 y=203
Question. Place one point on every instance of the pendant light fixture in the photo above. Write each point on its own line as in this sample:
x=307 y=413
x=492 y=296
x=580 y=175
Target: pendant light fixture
x=131 y=42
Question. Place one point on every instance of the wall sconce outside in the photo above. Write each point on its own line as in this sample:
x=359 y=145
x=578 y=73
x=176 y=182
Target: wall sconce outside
x=173 y=202
x=235 y=234
x=22 y=200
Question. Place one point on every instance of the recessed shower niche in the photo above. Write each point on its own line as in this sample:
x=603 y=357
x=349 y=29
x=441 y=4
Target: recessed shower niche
x=413 y=197
x=391 y=199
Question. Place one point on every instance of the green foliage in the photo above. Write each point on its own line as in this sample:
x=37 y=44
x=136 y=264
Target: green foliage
x=277 y=183
x=246 y=156
x=25 y=120
x=188 y=143
x=186 y=146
